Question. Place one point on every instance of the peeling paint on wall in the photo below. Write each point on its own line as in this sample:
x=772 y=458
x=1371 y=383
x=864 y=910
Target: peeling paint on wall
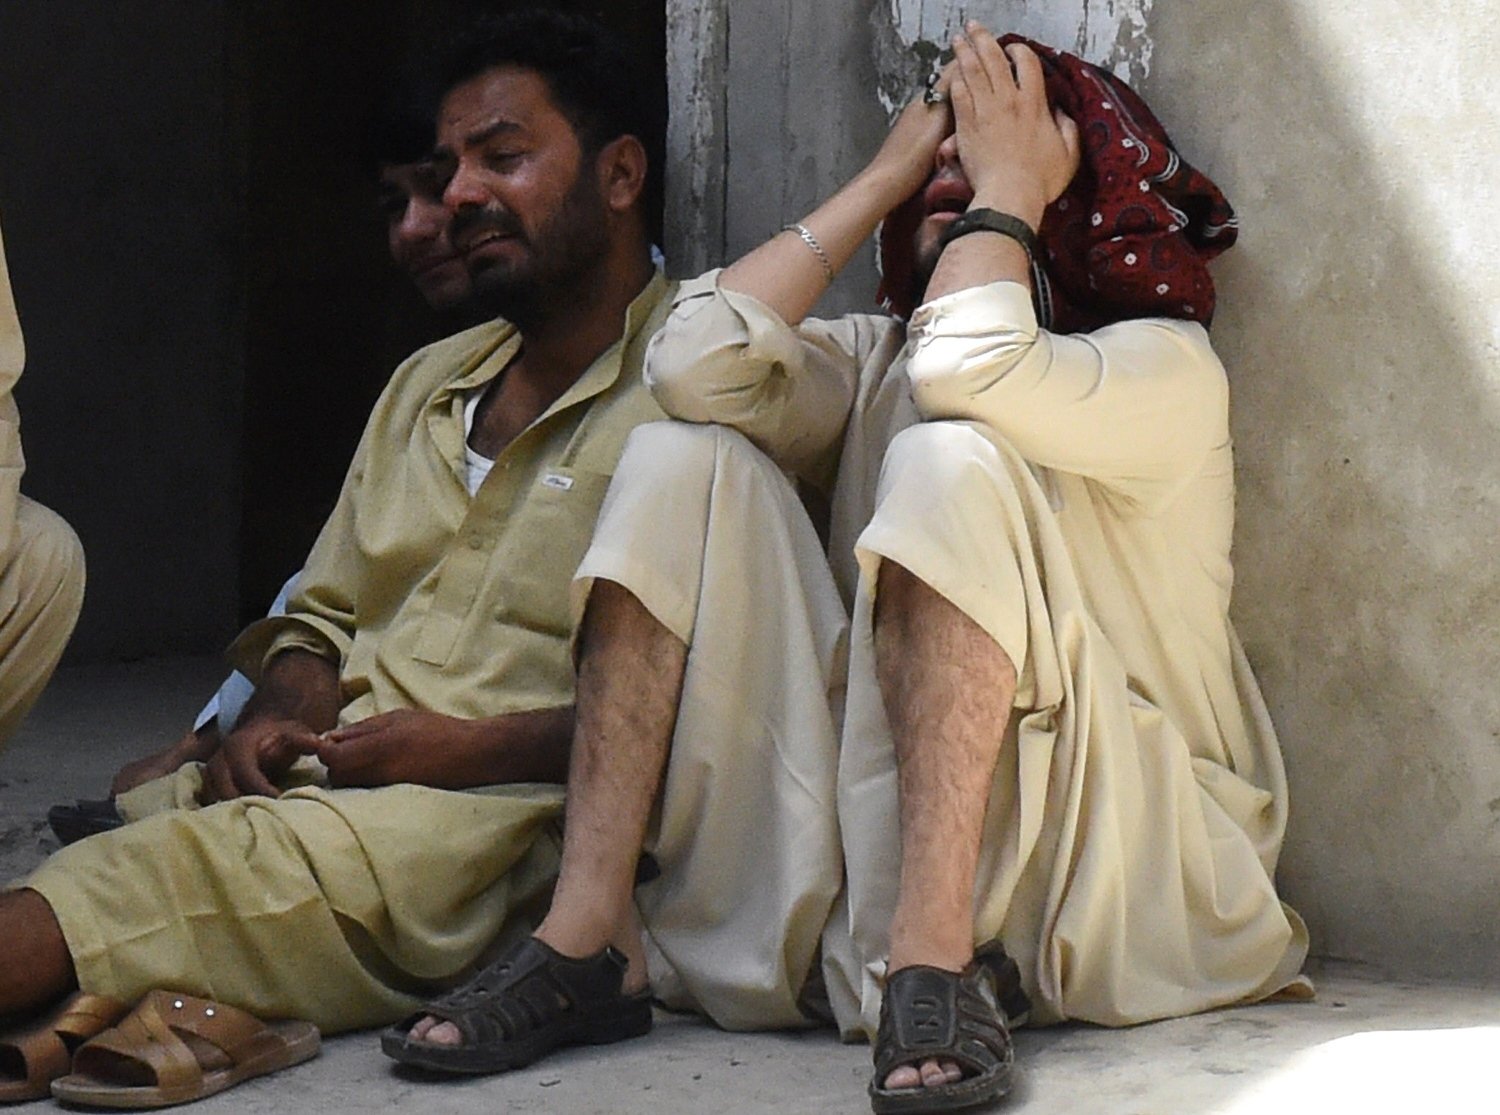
x=911 y=33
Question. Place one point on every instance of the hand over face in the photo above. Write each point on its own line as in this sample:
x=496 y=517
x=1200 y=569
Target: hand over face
x=910 y=149
x=254 y=756
x=1018 y=154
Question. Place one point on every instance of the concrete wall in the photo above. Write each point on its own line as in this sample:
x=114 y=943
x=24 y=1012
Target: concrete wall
x=764 y=117
x=1359 y=321
x=1360 y=325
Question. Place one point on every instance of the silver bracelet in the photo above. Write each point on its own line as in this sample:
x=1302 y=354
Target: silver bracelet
x=812 y=242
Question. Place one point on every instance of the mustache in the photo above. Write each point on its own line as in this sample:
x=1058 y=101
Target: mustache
x=492 y=218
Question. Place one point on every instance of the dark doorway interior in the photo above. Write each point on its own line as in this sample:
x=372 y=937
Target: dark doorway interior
x=203 y=283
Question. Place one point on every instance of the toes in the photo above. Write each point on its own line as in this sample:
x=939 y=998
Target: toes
x=423 y=1026
x=434 y=1032
x=906 y=1076
x=929 y=1074
x=933 y=1074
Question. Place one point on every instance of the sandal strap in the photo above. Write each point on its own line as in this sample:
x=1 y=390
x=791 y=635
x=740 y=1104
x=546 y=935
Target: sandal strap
x=528 y=988
x=46 y=1048
x=933 y=1014
x=152 y=1036
x=1005 y=974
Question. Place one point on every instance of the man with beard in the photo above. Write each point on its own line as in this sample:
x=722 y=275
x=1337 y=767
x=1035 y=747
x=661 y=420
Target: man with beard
x=425 y=653
x=1058 y=791
x=41 y=559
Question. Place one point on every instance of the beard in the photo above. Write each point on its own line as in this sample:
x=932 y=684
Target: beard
x=568 y=246
x=926 y=251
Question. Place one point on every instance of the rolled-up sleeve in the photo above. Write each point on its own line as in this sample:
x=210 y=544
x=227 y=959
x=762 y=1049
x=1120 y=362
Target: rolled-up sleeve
x=1137 y=405
x=726 y=358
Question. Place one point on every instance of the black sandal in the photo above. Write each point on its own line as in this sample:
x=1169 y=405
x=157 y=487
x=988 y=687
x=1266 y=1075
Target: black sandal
x=523 y=1006
x=932 y=1014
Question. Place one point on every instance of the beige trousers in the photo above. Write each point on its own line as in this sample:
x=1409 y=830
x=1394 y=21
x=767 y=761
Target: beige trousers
x=712 y=538
x=348 y=907
x=1115 y=866
x=41 y=592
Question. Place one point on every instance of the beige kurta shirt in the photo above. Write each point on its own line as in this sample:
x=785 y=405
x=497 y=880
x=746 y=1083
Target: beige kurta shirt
x=1126 y=429
x=429 y=598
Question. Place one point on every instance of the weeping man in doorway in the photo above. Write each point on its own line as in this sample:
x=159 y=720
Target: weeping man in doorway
x=41 y=559
x=1058 y=792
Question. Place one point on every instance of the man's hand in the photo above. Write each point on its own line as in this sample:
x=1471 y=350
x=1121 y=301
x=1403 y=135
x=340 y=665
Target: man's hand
x=1018 y=154
x=906 y=158
x=407 y=745
x=253 y=756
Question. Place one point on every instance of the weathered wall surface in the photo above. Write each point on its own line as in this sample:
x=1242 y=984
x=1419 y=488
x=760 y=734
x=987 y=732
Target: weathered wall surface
x=770 y=109
x=1361 y=325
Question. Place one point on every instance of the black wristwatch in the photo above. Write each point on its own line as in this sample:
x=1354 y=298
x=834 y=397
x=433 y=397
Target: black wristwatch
x=992 y=220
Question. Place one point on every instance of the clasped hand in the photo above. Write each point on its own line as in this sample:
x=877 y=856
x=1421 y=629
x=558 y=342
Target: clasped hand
x=380 y=751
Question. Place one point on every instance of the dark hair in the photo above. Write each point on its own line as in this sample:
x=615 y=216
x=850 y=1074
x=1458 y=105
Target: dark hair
x=591 y=77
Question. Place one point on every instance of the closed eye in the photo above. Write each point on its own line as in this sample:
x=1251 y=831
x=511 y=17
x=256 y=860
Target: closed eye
x=503 y=160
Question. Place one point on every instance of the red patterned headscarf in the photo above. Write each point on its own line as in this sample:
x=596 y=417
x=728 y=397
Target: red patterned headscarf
x=1131 y=236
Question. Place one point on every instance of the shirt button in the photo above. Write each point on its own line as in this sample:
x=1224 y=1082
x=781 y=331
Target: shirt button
x=475 y=542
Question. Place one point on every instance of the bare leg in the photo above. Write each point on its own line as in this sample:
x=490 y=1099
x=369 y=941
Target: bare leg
x=948 y=689
x=36 y=969
x=629 y=686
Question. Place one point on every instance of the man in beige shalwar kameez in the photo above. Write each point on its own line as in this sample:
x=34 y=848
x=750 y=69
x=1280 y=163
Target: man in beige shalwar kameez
x=41 y=560
x=1052 y=743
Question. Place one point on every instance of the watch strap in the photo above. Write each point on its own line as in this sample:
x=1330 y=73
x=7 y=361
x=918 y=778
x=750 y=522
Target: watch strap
x=992 y=220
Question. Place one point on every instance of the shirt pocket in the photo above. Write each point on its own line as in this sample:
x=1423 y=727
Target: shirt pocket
x=544 y=545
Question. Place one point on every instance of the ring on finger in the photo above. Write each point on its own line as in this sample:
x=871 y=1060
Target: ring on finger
x=931 y=94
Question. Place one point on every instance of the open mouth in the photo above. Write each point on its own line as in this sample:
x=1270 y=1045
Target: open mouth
x=947 y=197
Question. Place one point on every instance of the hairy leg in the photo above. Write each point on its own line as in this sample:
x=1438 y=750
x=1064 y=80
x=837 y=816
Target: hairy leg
x=948 y=689
x=629 y=685
x=35 y=967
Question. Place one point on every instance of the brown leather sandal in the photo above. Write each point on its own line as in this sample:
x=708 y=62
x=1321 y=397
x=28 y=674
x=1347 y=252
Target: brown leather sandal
x=173 y=1048
x=33 y=1057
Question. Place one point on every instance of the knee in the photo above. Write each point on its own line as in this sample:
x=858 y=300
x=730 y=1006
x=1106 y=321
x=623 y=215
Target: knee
x=943 y=459
x=48 y=557
x=686 y=444
x=666 y=454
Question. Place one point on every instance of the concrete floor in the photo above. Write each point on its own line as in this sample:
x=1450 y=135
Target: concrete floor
x=1370 y=1043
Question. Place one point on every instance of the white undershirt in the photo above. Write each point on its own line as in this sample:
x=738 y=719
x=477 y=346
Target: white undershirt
x=476 y=466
